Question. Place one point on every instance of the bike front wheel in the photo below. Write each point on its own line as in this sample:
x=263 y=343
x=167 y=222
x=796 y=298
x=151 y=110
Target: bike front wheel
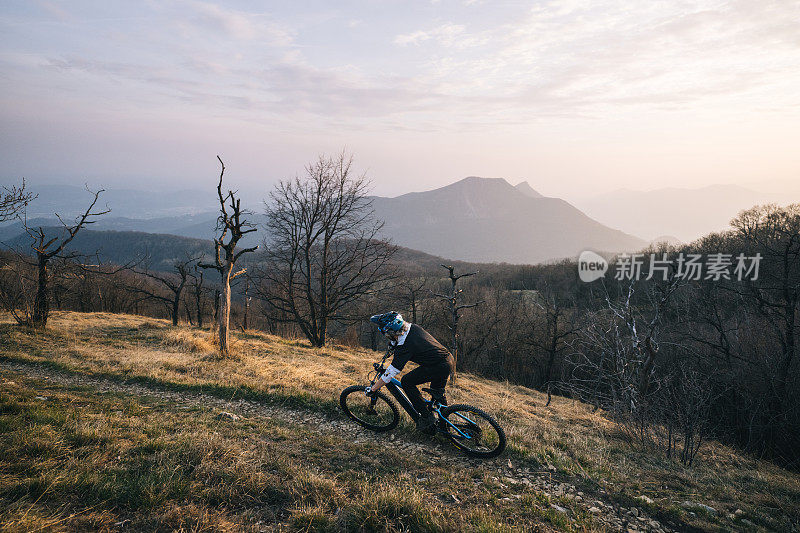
x=472 y=431
x=376 y=412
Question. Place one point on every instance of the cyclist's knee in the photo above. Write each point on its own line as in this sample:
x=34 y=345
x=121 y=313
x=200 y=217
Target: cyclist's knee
x=406 y=382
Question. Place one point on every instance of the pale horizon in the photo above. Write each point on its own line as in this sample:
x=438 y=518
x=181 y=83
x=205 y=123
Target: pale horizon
x=790 y=189
x=575 y=98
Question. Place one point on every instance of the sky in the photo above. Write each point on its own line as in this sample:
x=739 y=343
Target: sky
x=575 y=97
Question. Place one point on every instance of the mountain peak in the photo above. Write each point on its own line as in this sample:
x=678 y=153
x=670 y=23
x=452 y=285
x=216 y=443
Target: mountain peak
x=477 y=180
x=525 y=188
x=478 y=186
x=488 y=219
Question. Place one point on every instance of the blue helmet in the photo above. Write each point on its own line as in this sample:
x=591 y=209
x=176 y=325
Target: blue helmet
x=391 y=321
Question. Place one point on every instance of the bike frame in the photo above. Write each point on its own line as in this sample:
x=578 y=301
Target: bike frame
x=396 y=389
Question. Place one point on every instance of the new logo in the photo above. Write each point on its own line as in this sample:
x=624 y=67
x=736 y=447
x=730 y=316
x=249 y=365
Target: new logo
x=591 y=266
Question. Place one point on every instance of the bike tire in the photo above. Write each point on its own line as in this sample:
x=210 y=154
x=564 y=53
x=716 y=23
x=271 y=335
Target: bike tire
x=494 y=442
x=354 y=403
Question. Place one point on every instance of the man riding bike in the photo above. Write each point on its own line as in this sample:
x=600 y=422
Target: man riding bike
x=412 y=343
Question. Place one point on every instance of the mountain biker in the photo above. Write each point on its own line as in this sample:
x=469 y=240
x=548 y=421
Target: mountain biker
x=412 y=343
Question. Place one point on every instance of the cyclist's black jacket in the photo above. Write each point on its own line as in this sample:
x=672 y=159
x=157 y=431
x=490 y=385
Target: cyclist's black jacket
x=420 y=347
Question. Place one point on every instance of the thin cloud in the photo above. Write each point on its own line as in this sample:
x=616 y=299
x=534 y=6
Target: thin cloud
x=446 y=35
x=608 y=53
x=56 y=11
x=564 y=59
x=238 y=25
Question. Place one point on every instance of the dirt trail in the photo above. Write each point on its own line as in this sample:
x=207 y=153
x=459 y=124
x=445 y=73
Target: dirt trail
x=615 y=517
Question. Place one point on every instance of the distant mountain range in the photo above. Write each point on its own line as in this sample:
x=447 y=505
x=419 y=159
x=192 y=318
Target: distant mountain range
x=488 y=219
x=70 y=200
x=475 y=219
x=683 y=213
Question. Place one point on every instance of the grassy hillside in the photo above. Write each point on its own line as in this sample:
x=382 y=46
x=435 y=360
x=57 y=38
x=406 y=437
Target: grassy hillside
x=117 y=422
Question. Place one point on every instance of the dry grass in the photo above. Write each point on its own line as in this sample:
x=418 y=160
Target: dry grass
x=566 y=436
x=186 y=341
x=80 y=459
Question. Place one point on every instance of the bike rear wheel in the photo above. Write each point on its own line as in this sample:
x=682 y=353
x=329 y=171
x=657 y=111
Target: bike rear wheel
x=473 y=431
x=377 y=412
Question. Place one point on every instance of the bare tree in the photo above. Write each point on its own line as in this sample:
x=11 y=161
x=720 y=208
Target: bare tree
x=619 y=363
x=232 y=226
x=688 y=396
x=325 y=251
x=559 y=327
x=173 y=282
x=197 y=292
x=46 y=248
x=773 y=297
x=455 y=308
x=13 y=201
x=74 y=283
x=411 y=292
x=247 y=299
x=494 y=344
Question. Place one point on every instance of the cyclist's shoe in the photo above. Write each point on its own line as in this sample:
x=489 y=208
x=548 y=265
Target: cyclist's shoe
x=427 y=424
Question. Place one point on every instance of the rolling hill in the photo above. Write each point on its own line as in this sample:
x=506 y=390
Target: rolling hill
x=121 y=247
x=199 y=225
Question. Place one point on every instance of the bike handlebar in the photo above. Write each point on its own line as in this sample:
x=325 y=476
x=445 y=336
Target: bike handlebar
x=379 y=367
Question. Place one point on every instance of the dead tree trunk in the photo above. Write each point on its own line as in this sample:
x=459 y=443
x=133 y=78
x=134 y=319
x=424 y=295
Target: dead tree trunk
x=231 y=225
x=188 y=313
x=224 y=309
x=197 y=285
x=41 y=305
x=246 y=303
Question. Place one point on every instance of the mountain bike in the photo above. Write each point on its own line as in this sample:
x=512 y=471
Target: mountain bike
x=469 y=428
